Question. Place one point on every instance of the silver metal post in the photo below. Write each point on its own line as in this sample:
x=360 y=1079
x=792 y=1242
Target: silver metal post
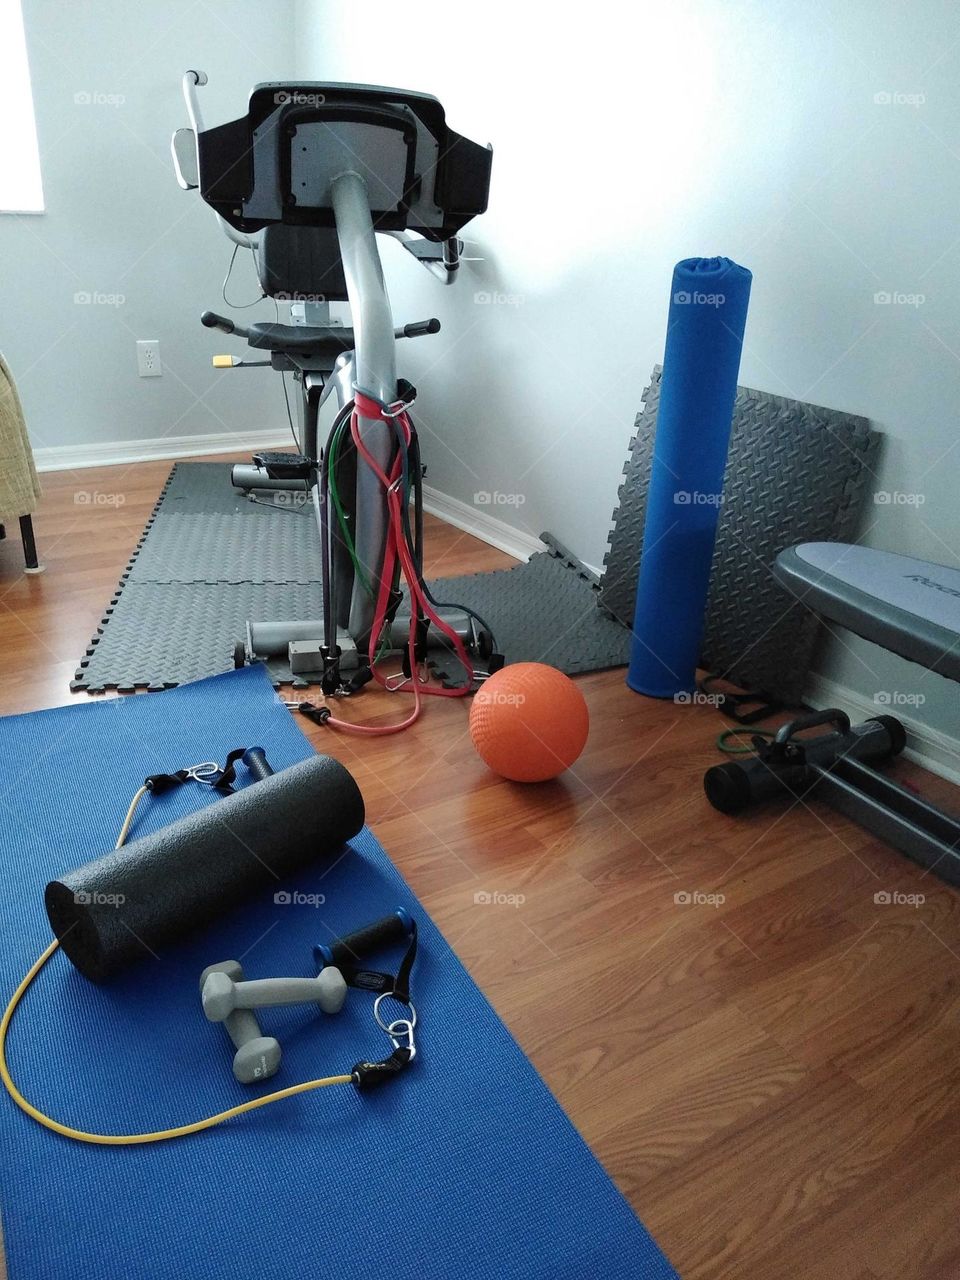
x=375 y=371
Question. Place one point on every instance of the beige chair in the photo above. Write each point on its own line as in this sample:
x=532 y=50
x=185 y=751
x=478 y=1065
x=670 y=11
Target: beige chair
x=19 y=486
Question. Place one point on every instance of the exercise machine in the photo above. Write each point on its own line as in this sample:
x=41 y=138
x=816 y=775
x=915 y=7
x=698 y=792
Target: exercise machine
x=912 y=608
x=305 y=182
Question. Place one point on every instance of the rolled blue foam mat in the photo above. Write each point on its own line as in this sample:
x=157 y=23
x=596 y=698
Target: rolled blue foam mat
x=464 y=1166
x=708 y=313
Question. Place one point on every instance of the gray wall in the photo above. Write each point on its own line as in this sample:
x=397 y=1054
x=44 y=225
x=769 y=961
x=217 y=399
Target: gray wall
x=815 y=144
x=116 y=223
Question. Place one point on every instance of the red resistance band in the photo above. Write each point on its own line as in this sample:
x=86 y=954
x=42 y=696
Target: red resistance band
x=397 y=549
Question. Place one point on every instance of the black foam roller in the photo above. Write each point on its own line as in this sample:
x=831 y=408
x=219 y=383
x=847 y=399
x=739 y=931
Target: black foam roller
x=113 y=912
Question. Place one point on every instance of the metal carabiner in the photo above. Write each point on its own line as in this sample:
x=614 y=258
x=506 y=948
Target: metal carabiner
x=401 y=1035
x=400 y=1030
x=206 y=772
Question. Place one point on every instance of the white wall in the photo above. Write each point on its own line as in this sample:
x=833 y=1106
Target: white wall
x=629 y=136
x=116 y=223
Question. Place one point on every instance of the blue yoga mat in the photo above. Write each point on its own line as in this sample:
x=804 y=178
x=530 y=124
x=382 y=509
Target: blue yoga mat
x=708 y=312
x=464 y=1167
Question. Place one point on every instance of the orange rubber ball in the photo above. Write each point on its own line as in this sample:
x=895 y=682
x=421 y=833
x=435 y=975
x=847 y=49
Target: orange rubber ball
x=529 y=722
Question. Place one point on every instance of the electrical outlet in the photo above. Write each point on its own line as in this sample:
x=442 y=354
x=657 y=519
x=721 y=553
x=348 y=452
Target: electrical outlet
x=148 y=358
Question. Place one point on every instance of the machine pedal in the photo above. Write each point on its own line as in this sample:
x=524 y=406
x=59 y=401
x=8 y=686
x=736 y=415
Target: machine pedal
x=285 y=466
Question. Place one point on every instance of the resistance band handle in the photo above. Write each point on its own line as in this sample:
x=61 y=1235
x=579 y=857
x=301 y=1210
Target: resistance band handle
x=256 y=761
x=383 y=933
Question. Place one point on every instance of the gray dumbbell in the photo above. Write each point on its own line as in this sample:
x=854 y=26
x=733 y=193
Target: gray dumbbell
x=222 y=995
x=258 y=1056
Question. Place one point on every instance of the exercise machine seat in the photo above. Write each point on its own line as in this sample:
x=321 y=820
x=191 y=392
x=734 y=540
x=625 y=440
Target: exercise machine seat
x=300 y=339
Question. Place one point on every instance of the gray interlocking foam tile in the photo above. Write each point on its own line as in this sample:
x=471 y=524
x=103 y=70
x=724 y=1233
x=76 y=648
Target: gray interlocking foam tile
x=204 y=488
x=219 y=548
x=210 y=559
x=160 y=634
x=543 y=611
x=796 y=472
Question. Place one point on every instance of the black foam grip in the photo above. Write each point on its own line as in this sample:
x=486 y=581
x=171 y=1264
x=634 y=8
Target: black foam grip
x=371 y=938
x=113 y=912
x=257 y=763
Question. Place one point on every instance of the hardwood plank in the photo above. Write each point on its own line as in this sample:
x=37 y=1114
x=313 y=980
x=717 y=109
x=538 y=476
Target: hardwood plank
x=770 y=1074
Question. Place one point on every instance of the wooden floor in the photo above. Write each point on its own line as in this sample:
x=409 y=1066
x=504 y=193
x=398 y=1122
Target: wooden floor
x=773 y=1077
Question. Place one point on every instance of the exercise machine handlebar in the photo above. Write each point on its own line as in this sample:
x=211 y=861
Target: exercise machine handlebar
x=418 y=329
x=210 y=320
x=342 y=334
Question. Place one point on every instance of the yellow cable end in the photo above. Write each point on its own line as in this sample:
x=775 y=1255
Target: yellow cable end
x=223 y=362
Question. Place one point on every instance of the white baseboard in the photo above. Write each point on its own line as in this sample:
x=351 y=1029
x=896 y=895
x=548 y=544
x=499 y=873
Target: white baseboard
x=479 y=522
x=77 y=457
x=461 y=515
x=925 y=746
